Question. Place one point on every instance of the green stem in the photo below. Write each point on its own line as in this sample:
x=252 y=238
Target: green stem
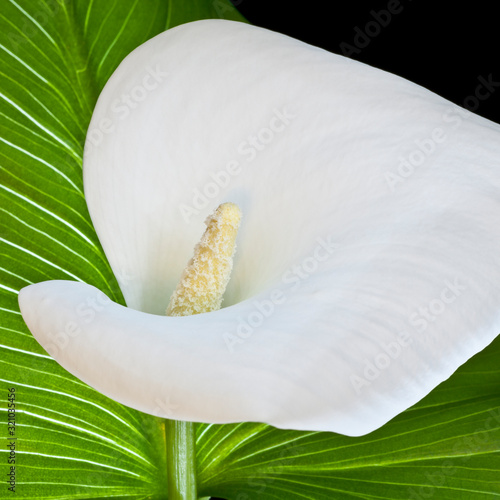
x=181 y=460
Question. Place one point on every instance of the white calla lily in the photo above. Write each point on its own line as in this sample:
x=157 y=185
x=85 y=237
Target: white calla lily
x=366 y=270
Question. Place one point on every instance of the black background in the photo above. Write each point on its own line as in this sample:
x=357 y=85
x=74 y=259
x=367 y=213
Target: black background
x=443 y=46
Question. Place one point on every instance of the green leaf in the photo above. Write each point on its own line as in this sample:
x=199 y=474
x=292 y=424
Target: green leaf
x=55 y=57
x=72 y=442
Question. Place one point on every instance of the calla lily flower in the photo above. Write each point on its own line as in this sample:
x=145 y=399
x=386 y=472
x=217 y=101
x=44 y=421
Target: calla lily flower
x=367 y=263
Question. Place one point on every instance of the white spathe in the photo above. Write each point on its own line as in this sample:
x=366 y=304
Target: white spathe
x=367 y=263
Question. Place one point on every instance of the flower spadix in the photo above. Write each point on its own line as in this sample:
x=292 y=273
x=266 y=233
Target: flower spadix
x=367 y=270
x=204 y=281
